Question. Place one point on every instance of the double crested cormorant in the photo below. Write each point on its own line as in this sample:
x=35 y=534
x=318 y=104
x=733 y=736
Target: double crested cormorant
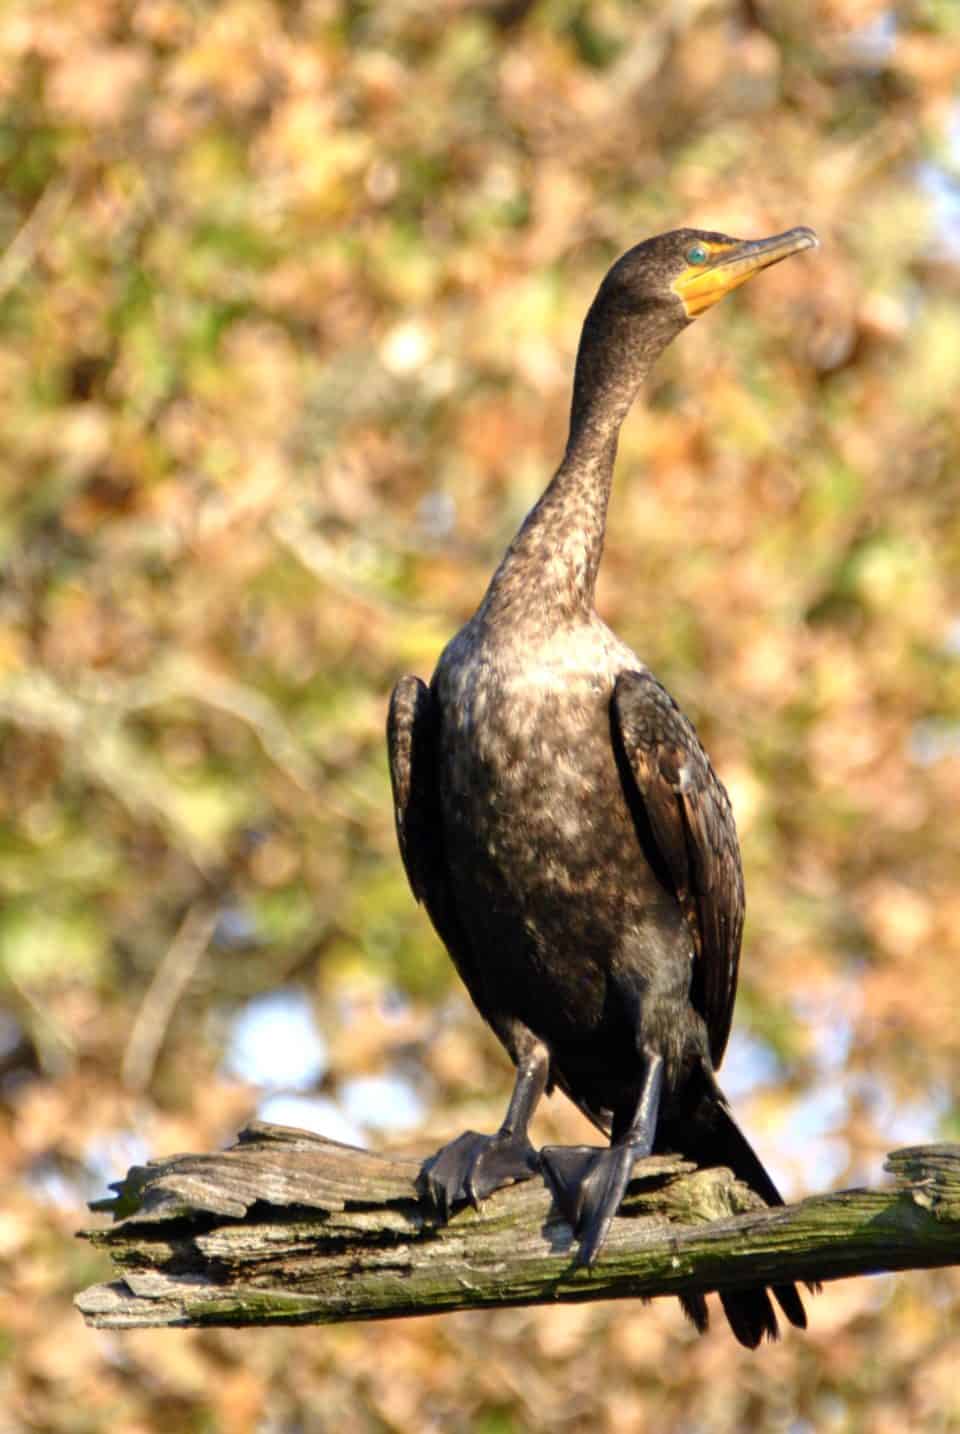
x=565 y=830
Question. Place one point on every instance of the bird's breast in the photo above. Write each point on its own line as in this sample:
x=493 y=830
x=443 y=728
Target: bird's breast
x=528 y=776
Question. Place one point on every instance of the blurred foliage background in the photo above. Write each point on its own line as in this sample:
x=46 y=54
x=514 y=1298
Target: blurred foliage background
x=289 y=299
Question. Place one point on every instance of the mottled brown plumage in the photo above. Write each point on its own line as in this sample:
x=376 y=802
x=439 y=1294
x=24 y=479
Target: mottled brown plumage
x=565 y=830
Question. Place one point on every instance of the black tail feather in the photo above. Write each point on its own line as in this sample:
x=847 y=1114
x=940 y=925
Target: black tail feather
x=710 y=1136
x=695 y=1309
x=791 y=1303
x=751 y=1316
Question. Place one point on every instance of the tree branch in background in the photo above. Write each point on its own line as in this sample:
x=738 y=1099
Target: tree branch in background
x=170 y=980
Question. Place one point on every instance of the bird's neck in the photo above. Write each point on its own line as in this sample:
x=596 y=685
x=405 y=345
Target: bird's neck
x=550 y=569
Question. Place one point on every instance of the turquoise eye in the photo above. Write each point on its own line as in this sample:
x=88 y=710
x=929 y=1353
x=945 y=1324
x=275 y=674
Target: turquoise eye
x=696 y=254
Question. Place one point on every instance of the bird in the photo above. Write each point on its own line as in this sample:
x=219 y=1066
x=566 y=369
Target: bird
x=566 y=832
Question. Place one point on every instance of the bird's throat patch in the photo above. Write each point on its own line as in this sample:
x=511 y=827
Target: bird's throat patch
x=701 y=285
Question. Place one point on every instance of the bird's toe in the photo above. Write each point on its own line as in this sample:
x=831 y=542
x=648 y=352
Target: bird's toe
x=472 y=1167
x=589 y=1184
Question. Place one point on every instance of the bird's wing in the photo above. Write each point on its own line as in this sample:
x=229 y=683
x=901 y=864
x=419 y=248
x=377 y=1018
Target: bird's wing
x=685 y=822
x=412 y=737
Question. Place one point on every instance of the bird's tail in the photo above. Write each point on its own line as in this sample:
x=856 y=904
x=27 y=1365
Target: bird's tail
x=710 y=1136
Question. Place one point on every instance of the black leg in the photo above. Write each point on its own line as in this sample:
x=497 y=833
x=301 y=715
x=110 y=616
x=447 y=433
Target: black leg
x=589 y=1183
x=473 y=1166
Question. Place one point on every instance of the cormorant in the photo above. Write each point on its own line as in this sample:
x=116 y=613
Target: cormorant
x=565 y=830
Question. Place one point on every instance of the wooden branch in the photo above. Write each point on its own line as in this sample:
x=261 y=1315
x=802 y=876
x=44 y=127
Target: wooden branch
x=290 y=1228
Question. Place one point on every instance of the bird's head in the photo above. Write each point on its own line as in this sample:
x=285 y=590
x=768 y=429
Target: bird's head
x=688 y=270
x=649 y=295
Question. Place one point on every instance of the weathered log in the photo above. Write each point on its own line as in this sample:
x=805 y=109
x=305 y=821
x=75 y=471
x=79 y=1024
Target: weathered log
x=290 y=1228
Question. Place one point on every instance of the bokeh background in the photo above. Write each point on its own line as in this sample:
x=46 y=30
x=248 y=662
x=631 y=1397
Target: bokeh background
x=289 y=299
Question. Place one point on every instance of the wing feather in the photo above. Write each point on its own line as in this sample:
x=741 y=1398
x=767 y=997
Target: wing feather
x=412 y=741
x=694 y=838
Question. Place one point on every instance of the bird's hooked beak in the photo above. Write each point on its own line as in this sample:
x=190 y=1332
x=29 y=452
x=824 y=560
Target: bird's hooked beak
x=728 y=265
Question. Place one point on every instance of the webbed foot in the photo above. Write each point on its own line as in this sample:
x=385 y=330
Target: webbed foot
x=589 y=1183
x=474 y=1166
